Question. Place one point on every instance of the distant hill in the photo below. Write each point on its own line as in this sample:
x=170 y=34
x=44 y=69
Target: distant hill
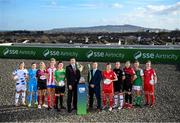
x=106 y=28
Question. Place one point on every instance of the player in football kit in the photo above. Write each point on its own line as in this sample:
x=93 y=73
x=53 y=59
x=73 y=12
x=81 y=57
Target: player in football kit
x=20 y=75
x=32 y=84
x=118 y=86
x=137 y=84
x=41 y=76
x=60 y=85
x=51 y=84
x=108 y=90
x=150 y=79
x=127 y=85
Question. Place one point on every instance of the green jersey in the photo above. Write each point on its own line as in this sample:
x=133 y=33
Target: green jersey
x=60 y=77
x=138 y=80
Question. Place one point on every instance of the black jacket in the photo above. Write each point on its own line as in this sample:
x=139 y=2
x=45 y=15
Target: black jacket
x=71 y=76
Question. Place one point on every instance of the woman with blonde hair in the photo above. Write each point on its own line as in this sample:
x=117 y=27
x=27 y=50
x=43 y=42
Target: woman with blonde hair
x=41 y=75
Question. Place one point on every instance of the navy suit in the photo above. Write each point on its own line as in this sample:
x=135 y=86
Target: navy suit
x=96 y=81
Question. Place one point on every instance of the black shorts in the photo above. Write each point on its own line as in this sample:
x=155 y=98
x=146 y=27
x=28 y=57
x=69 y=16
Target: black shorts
x=60 y=90
x=118 y=86
x=127 y=86
x=41 y=86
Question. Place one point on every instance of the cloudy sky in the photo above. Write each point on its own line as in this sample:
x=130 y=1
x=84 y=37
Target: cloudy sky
x=48 y=14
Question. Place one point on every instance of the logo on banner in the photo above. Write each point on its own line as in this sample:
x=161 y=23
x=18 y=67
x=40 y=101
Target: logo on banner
x=5 y=51
x=46 y=53
x=137 y=55
x=90 y=54
x=149 y=55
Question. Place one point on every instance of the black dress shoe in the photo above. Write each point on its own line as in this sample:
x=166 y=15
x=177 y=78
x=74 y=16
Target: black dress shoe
x=146 y=104
x=62 y=107
x=69 y=110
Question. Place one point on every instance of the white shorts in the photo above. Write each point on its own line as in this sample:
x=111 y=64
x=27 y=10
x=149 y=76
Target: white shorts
x=137 y=88
x=20 y=87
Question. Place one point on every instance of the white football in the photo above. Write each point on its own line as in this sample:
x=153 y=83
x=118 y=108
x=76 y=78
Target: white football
x=16 y=78
x=61 y=83
x=152 y=82
x=107 y=81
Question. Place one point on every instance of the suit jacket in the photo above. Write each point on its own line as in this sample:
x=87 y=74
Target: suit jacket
x=96 y=79
x=71 y=76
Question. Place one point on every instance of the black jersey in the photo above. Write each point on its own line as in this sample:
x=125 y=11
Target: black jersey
x=120 y=74
x=118 y=85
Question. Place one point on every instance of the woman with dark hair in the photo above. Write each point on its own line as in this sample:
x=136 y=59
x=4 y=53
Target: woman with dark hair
x=108 y=90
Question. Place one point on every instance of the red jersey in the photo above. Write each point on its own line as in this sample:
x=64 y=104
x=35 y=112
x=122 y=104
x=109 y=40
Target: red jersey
x=148 y=76
x=129 y=73
x=108 y=88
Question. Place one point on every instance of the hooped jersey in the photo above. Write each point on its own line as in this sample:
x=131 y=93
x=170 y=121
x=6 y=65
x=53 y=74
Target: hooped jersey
x=21 y=76
x=138 y=80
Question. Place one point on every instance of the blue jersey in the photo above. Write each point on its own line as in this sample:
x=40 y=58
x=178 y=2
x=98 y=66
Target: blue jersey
x=32 y=76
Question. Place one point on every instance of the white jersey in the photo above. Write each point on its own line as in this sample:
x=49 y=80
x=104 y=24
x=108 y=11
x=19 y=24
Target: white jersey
x=21 y=75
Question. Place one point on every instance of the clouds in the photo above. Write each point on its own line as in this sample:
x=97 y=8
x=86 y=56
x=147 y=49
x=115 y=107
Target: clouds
x=164 y=9
x=117 y=5
x=153 y=16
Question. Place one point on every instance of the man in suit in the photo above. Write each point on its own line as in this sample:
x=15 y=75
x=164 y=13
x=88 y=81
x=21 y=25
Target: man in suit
x=94 y=79
x=73 y=77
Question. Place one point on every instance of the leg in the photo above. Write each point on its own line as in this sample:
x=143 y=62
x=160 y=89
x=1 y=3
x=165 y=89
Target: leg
x=53 y=101
x=98 y=97
x=30 y=98
x=111 y=99
x=17 y=98
x=49 y=97
x=91 y=94
x=75 y=98
x=69 y=100
x=147 y=98
x=104 y=100
x=39 y=97
x=115 y=100
x=43 y=97
x=121 y=101
x=23 y=97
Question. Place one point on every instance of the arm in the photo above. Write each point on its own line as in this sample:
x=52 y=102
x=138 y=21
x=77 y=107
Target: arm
x=68 y=76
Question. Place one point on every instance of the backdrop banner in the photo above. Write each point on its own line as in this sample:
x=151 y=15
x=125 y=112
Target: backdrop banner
x=92 y=54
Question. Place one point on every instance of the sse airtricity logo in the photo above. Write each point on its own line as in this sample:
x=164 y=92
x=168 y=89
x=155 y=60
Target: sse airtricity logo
x=89 y=54
x=137 y=55
x=5 y=51
x=46 y=53
x=82 y=90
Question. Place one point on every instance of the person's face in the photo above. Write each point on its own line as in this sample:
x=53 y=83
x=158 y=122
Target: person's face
x=108 y=67
x=52 y=63
x=42 y=65
x=136 y=65
x=127 y=64
x=117 y=65
x=148 y=65
x=95 y=65
x=21 y=66
x=60 y=65
x=33 y=66
x=72 y=61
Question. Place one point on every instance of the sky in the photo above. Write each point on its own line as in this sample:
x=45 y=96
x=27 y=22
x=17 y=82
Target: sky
x=49 y=14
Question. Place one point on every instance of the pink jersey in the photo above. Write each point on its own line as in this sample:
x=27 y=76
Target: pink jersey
x=51 y=78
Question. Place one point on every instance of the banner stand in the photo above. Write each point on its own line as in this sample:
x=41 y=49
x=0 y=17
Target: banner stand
x=81 y=97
